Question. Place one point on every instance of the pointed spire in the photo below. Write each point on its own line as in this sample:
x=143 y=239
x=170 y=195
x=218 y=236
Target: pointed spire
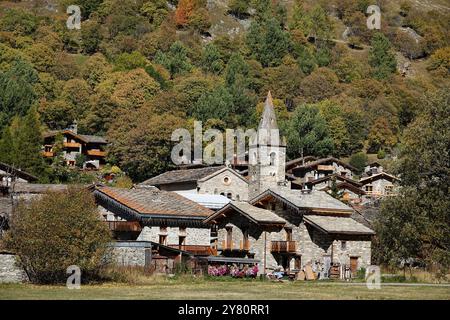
x=269 y=119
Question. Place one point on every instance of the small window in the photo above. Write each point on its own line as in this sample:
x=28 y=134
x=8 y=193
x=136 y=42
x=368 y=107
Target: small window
x=229 y=195
x=182 y=240
x=343 y=245
x=272 y=158
x=238 y=198
x=369 y=188
x=226 y=180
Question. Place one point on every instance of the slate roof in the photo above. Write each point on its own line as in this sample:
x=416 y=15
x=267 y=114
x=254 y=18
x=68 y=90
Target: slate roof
x=337 y=225
x=154 y=202
x=313 y=200
x=325 y=160
x=334 y=175
x=378 y=176
x=187 y=175
x=253 y=213
x=292 y=163
x=84 y=137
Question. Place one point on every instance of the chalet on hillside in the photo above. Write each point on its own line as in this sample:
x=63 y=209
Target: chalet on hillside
x=351 y=189
x=323 y=167
x=74 y=145
x=380 y=184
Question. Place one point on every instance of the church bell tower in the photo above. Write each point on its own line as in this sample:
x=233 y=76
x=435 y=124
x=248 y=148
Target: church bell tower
x=267 y=155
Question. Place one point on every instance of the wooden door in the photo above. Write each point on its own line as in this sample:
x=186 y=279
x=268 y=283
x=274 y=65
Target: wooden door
x=353 y=265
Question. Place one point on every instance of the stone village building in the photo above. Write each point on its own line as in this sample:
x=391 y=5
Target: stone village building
x=269 y=222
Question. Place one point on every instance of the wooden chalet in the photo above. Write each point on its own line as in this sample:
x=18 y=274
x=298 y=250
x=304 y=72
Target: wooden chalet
x=74 y=144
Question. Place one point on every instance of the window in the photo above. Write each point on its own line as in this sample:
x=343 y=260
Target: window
x=162 y=239
x=369 y=188
x=226 y=180
x=229 y=195
x=238 y=198
x=343 y=245
x=182 y=240
x=288 y=234
x=388 y=189
x=272 y=158
x=216 y=191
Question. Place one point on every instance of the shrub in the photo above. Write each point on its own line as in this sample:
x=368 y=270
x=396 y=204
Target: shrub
x=58 y=230
x=381 y=154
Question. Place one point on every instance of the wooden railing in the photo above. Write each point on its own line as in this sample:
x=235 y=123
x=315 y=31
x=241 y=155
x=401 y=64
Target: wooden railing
x=283 y=246
x=72 y=145
x=243 y=245
x=97 y=153
x=197 y=250
x=48 y=154
x=130 y=226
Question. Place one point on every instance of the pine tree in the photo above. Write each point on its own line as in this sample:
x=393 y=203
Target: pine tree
x=381 y=57
x=29 y=140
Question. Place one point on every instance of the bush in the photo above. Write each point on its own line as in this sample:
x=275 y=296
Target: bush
x=58 y=230
x=381 y=154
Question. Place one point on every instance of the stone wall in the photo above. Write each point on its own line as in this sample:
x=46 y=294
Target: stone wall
x=131 y=253
x=194 y=236
x=10 y=272
x=226 y=182
x=311 y=244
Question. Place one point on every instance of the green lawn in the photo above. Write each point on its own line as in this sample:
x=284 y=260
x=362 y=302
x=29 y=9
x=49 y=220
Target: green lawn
x=204 y=289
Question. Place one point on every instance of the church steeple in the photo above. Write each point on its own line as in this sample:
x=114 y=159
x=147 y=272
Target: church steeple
x=269 y=118
x=268 y=156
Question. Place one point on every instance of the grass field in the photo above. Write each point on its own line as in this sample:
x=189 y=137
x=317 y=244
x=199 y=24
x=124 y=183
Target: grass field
x=239 y=289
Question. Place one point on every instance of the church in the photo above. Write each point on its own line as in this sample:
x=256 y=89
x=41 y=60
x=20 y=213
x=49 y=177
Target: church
x=264 y=220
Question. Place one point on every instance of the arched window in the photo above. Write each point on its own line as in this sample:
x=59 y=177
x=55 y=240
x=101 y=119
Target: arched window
x=272 y=158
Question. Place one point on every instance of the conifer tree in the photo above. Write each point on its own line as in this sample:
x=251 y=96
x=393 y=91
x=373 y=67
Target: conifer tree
x=381 y=57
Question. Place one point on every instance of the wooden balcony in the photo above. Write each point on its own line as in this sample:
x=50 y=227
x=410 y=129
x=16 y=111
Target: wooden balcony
x=96 y=153
x=283 y=246
x=124 y=226
x=322 y=167
x=72 y=144
x=196 y=250
x=241 y=246
x=48 y=154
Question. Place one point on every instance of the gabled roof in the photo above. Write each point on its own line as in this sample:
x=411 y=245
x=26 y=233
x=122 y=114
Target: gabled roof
x=299 y=161
x=230 y=170
x=83 y=137
x=331 y=176
x=348 y=186
x=313 y=164
x=378 y=176
x=35 y=188
x=255 y=214
x=338 y=225
x=311 y=201
x=17 y=172
x=151 y=202
x=175 y=176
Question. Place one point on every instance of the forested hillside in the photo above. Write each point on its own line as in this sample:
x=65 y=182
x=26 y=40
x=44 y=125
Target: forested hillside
x=138 y=69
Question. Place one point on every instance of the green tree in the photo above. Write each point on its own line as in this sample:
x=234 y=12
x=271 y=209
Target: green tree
x=29 y=140
x=17 y=93
x=381 y=58
x=416 y=223
x=211 y=59
x=217 y=104
x=359 y=161
x=129 y=61
x=56 y=231
x=307 y=133
x=176 y=60
x=268 y=42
